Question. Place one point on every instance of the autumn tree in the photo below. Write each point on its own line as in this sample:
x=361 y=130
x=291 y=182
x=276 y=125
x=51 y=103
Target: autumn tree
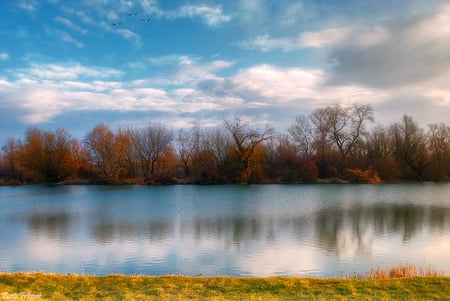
x=80 y=164
x=246 y=141
x=220 y=143
x=212 y=161
x=47 y=154
x=410 y=147
x=125 y=145
x=380 y=153
x=151 y=143
x=438 y=142
x=106 y=153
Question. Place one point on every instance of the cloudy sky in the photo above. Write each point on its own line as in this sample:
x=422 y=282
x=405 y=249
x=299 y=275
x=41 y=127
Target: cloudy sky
x=63 y=64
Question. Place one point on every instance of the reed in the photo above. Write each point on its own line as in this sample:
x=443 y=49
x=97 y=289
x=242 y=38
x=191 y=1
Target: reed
x=404 y=271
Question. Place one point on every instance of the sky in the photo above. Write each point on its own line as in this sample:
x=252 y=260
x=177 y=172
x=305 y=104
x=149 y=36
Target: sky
x=75 y=64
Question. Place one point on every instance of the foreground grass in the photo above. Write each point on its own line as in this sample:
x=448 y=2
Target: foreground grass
x=117 y=287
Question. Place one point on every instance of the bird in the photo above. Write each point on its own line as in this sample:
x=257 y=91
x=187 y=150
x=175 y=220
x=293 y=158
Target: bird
x=145 y=20
x=116 y=24
x=131 y=14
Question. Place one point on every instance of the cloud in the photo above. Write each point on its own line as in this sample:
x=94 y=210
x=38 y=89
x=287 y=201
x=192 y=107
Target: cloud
x=4 y=56
x=69 y=24
x=28 y=5
x=322 y=38
x=64 y=72
x=272 y=85
x=68 y=38
x=400 y=53
x=408 y=59
x=172 y=59
x=212 y=16
x=187 y=69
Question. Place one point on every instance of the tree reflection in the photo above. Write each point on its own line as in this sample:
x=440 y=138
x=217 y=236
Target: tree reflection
x=54 y=224
x=336 y=230
x=365 y=223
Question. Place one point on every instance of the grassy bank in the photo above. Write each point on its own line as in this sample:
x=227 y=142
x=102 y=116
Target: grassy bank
x=117 y=287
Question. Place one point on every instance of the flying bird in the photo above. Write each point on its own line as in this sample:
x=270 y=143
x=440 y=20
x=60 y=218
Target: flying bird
x=145 y=20
x=116 y=24
x=131 y=14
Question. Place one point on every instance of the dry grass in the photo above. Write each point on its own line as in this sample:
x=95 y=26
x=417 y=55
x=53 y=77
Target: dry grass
x=120 y=287
x=405 y=271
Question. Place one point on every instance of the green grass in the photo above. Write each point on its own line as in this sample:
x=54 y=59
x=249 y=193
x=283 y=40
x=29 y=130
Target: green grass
x=117 y=287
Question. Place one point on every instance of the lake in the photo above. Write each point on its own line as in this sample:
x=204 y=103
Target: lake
x=318 y=230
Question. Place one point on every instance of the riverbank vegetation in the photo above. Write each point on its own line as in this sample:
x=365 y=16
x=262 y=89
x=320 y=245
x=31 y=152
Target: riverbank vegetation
x=119 y=287
x=333 y=143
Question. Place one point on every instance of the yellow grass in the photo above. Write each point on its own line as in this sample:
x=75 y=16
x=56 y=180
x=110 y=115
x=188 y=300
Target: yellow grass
x=40 y=286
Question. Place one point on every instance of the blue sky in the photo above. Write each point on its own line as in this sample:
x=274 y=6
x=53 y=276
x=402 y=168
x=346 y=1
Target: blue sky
x=64 y=65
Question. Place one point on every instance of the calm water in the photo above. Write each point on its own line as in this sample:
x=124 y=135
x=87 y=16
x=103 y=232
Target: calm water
x=306 y=230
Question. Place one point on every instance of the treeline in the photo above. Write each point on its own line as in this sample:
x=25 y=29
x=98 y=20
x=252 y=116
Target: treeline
x=333 y=143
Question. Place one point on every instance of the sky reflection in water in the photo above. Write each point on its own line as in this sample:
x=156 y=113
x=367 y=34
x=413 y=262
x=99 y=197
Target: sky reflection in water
x=307 y=230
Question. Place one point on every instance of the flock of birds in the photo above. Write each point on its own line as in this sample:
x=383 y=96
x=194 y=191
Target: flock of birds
x=145 y=20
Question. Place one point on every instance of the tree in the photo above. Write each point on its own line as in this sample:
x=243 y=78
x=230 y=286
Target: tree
x=246 y=140
x=188 y=143
x=151 y=143
x=221 y=145
x=438 y=142
x=80 y=164
x=347 y=125
x=125 y=146
x=11 y=155
x=47 y=154
x=322 y=128
x=105 y=153
x=302 y=132
x=410 y=147
x=380 y=153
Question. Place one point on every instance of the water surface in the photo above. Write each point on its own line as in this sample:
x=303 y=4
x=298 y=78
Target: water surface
x=260 y=230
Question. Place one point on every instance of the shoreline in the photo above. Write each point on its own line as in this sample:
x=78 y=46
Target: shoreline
x=181 y=183
x=44 y=286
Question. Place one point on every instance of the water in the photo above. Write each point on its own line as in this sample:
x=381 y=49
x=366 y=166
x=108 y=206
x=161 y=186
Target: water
x=259 y=230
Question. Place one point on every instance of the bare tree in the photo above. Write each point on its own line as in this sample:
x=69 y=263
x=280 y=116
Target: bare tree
x=379 y=144
x=302 y=132
x=246 y=139
x=11 y=154
x=220 y=144
x=348 y=125
x=188 y=144
x=322 y=127
x=151 y=142
x=410 y=146
x=438 y=138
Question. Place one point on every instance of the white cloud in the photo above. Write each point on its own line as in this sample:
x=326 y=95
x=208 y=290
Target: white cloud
x=68 y=23
x=64 y=72
x=212 y=16
x=172 y=59
x=271 y=85
x=322 y=38
x=29 y=5
x=265 y=44
x=68 y=38
x=4 y=56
